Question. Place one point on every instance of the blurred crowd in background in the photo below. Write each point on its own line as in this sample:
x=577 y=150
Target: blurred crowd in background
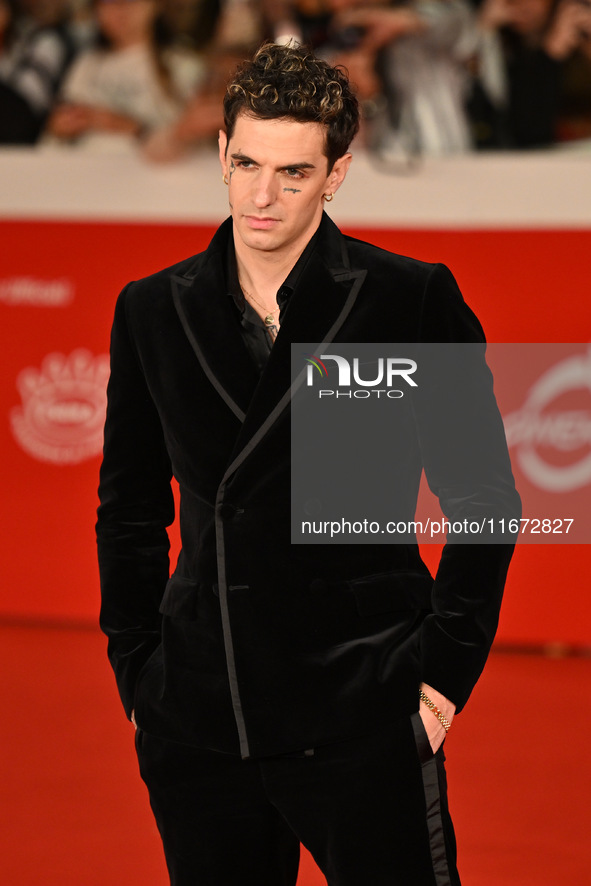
x=434 y=76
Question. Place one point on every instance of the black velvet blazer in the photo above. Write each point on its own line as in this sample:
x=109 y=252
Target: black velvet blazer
x=254 y=645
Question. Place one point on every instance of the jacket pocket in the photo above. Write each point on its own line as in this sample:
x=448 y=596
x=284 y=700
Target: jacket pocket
x=392 y=592
x=424 y=749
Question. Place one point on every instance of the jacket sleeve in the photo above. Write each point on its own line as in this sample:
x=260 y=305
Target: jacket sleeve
x=466 y=463
x=136 y=506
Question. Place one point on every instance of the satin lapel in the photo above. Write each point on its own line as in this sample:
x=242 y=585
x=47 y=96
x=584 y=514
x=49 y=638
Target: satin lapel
x=205 y=311
x=318 y=308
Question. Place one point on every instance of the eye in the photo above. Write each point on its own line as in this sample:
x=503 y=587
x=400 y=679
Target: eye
x=244 y=164
x=294 y=172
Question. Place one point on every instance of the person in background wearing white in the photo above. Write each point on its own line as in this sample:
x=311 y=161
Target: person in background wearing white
x=133 y=82
x=419 y=49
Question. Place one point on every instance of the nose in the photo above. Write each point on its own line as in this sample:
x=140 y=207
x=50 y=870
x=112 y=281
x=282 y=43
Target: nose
x=265 y=190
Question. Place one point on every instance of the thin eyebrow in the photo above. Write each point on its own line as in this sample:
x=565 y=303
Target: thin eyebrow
x=244 y=159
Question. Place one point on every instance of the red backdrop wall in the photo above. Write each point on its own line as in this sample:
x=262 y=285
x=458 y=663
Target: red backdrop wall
x=58 y=283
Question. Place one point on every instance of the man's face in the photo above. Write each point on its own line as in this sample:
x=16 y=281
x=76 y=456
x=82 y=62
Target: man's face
x=277 y=175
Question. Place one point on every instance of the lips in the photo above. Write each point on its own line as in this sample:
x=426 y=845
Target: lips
x=261 y=224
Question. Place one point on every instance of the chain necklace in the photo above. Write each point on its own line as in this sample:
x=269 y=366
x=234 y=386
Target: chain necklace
x=269 y=318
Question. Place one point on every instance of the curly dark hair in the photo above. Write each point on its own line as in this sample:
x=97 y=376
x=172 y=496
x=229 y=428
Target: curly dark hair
x=289 y=81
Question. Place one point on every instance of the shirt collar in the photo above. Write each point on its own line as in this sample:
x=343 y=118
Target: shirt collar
x=287 y=287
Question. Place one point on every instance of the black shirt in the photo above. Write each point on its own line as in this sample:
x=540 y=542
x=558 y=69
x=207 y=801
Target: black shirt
x=255 y=334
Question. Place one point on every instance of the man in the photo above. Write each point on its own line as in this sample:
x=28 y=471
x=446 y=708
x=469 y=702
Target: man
x=275 y=688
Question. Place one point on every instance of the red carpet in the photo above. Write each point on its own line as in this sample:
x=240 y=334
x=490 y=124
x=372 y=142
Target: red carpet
x=75 y=813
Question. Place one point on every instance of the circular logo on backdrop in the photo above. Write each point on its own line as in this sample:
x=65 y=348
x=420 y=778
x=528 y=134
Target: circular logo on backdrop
x=552 y=431
x=63 y=407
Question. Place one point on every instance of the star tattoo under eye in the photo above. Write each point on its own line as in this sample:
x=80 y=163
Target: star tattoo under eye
x=293 y=190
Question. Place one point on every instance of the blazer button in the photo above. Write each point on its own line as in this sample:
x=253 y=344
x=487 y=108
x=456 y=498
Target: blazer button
x=228 y=512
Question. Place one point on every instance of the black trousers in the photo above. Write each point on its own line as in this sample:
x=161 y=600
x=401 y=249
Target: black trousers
x=371 y=810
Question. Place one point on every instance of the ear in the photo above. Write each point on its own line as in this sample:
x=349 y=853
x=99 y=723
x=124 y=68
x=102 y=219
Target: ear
x=223 y=147
x=337 y=174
